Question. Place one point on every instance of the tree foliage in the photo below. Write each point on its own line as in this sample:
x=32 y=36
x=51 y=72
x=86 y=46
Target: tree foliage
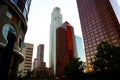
x=74 y=69
x=107 y=57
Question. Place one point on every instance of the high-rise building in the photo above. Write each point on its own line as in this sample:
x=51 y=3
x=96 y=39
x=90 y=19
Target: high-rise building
x=80 y=48
x=116 y=8
x=26 y=65
x=65 y=47
x=40 y=53
x=12 y=21
x=98 y=23
x=56 y=21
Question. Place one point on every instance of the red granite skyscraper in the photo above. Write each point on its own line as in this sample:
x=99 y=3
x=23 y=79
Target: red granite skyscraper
x=98 y=23
x=65 y=47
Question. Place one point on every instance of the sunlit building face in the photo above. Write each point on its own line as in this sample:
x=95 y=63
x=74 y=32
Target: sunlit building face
x=56 y=21
x=98 y=23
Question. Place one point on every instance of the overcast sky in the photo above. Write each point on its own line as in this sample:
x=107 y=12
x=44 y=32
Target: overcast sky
x=39 y=20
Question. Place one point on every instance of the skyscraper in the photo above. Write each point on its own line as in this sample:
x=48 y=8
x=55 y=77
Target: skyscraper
x=98 y=23
x=116 y=8
x=65 y=47
x=80 y=48
x=56 y=21
x=40 y=53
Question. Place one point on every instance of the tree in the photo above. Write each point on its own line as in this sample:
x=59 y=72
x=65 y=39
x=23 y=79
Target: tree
x=74 y=69
x=107 y=57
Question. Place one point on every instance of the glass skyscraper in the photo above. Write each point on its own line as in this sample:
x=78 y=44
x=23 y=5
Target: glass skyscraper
x=116 y=8
x=80 y=48
x=99 y=23
x=56 y=21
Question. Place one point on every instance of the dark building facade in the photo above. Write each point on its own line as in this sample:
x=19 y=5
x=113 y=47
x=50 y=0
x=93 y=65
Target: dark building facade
x=98 y=23
x=40 y=54
x=12 y=21
x=65 y=47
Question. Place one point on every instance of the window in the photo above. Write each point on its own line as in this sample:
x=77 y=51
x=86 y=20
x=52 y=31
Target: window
x=6 y=29
x=9 y=15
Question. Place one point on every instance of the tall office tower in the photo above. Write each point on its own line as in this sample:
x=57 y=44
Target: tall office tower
x=98 y=23
x=65 y=47
x=116 y=8
x=12 y=20
x=26 y=65
x=80 y=48
x=56 y=21
x=40 y=54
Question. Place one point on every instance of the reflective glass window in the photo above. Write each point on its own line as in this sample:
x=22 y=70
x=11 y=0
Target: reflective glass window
x=6 y=29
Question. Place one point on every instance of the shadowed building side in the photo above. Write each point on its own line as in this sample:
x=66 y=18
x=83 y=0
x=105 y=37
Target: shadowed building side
x=12 y=20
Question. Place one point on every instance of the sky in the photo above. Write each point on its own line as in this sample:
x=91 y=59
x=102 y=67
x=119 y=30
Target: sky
x=39 y=20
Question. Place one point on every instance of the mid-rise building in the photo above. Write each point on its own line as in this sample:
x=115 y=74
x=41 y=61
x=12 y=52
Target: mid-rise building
x=13 y=21
x=40 y=53
x=35 y=64
x=80 y=48
x=26 y=65
x=99 y=23
x=56 y=21
x=65 y=47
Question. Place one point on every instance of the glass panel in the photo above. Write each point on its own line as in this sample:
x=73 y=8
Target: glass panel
x=6 y=29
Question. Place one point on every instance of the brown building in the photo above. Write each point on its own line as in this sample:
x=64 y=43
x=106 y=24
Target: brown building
x=42 y=72
x=40 y=54
x=98 y=23
x=65 y=47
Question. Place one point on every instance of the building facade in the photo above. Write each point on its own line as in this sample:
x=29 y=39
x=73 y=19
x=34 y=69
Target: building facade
x=56 y=21
x=26 y=65
x=80 y=48
x=24 y=6
x=65 y=47
x=12 y=20
x=40 y=54
x=98 y=23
